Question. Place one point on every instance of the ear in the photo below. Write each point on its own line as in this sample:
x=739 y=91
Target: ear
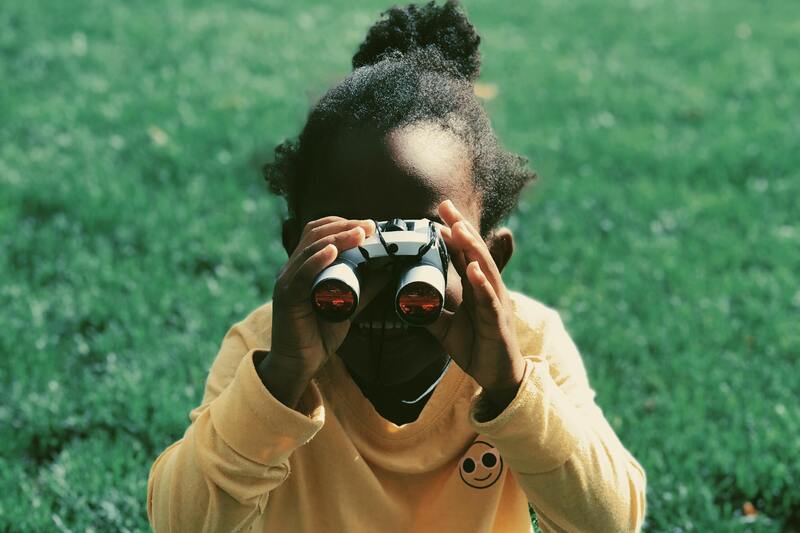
x=290 y=233
x=501 y=245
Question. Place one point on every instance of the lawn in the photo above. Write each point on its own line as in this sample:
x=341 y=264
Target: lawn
x=135 y=228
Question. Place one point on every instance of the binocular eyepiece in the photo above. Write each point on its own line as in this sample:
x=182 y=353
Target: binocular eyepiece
x=416 y=249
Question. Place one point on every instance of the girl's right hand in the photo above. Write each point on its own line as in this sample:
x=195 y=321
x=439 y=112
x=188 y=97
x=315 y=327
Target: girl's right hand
x=302 y=342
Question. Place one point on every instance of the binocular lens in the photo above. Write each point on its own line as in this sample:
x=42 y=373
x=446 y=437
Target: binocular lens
x=334 y=300
x=419 y=303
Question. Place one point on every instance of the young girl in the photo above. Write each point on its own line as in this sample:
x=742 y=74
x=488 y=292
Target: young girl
x=313 y=426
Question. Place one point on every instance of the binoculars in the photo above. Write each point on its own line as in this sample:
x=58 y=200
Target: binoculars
x=416 y=250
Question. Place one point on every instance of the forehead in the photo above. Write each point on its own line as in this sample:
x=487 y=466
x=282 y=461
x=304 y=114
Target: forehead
x=404 y=173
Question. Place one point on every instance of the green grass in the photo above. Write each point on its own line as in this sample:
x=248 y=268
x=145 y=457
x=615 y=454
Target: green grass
x=135 y=229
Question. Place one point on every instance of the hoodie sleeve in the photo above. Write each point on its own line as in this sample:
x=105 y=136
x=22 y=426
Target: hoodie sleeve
x=576 y=473
x=218 y=477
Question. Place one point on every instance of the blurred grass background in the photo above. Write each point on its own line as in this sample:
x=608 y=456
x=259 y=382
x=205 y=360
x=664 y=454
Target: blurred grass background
x=136 y=228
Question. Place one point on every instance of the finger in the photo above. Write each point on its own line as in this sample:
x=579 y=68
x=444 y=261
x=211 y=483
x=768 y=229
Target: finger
x=342 y=241
x=475 y=249
x=445 y=231
x=447 y=236
x=322 y=221
x=329 y=219
x=460 y=265
x=316 y=230
x=312 y=225
x=463 y=235
x=454 y=252
x=299 y=288
x=487 y=302
x=451 y=215
x=448 y=212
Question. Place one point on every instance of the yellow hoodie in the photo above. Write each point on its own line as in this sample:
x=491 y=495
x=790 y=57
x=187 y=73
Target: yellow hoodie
x=249 y=463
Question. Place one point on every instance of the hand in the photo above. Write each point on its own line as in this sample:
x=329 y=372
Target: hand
x=302 y=342
x=479 y=334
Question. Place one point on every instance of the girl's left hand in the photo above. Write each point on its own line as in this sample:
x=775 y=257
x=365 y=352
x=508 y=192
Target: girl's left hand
x=479 y=335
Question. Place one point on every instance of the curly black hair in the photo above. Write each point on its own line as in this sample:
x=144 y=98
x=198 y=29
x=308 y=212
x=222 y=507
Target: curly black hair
x=418 y=63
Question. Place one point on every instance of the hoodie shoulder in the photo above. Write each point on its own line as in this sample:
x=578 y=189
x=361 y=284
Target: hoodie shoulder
x=256 y=328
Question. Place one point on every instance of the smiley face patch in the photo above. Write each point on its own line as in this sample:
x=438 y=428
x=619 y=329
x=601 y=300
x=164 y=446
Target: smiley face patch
x=481 y=466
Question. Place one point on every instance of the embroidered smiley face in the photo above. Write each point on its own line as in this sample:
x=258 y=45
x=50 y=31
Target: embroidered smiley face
x=481 y=466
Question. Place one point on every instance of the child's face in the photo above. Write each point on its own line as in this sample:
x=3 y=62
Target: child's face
x=403 y=174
